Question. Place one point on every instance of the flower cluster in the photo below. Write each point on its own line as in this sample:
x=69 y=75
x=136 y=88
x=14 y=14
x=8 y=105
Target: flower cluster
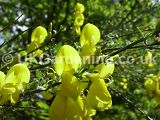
x=13 y=83
x=124 y=83
x=71 y=101
x=37 y=38
x=152 y=85
x=82 y=91
x=79 y=17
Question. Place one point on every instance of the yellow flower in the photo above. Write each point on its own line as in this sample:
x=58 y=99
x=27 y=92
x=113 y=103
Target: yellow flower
x=75 y=109
x=87 y=53
x=98 y=97
x=9 y=92
x=70 y=86
x=2 y=79
x=89 y=113
x=123 y=83
x=67 y=59
x=151 y=84
x=105 y=70
x=38 y=35
x=18 y=75
x=57 y=110
x=79 y=8
x=37 y=38
x=15 y=80
x=32 y=46
x=65 y=108
x=148 y=59
x=90 y=35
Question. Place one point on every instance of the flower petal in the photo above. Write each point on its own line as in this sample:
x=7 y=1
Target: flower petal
x=2 y=79
x=18 y=74
x=98 y=96
x=70 y=86
x=67 y=59
x=57 y=110
x=90 y=35
x=39 y=34
x=105 y=70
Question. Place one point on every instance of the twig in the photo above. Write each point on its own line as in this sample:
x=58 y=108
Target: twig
x=40 y=66
x=7 y=42
x=11 y=23
x=129 y=46
x=124 y=19
x=131 y=103
x=16 y=106
x=40 y=90
x=150 y=46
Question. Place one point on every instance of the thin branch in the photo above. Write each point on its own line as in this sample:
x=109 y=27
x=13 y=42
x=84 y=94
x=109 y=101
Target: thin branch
x=40 y=90
x=40 y=66
x=129 y=46
x=17 y=106
x=131 y=103
x=12 y=39
x=11 y=23
x=124 y=19
x=150 y=46
x=66 y=12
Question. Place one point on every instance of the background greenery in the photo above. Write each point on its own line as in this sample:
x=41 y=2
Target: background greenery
x=121 y=23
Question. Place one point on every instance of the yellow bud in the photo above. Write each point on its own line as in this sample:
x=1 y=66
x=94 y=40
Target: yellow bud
x=124 y=80
x=125 y=86
x=79 y=8
x=79 y=20
x=148 y=59
x=90 y=35
x=67 y=59
x=151 y=85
